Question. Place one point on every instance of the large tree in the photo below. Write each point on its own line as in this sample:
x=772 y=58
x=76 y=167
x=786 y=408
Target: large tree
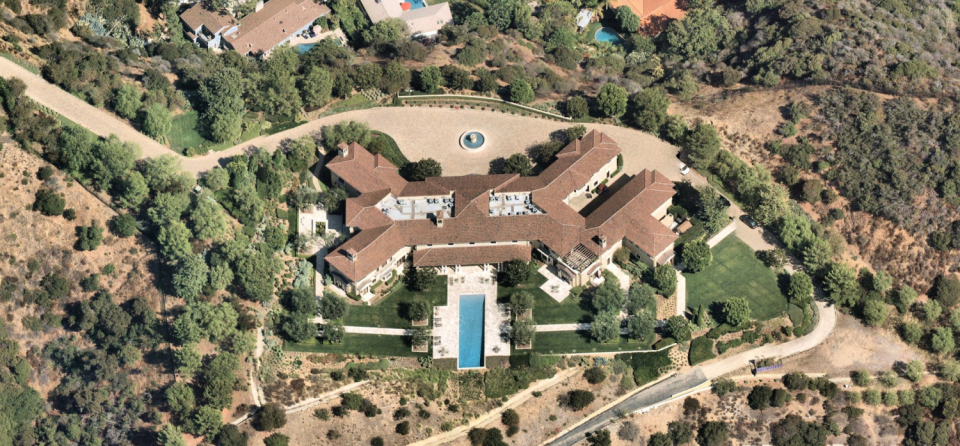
x=316 y=86
x=156 y=120
x=605 y=327
x=189 y=276
x=697 y=256
x=612 y=100
x=702 y=145
x=736 y=311
x=221 y=114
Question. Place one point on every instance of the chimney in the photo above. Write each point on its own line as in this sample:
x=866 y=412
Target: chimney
x=439 y=218
x=259 y=6
x=351 y=254
x=343 y=149
x=602 y=240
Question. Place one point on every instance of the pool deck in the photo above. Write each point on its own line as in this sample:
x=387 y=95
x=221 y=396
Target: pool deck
x=446 y=328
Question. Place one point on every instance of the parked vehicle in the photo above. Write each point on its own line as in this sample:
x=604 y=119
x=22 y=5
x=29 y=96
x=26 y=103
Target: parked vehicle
x=684 y=169
x=749 y=221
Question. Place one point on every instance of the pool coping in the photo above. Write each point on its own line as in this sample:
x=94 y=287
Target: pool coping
x=619 y=36
x=483 y=324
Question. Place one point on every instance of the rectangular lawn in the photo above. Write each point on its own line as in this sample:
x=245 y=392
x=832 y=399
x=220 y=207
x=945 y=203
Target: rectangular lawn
x=390 y=312
x=557 y=342
x=546 y=310
x=736 y=271
x=355 y=343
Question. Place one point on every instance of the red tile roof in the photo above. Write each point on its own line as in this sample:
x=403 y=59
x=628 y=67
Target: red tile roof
x=470 y=255
x=627 y=213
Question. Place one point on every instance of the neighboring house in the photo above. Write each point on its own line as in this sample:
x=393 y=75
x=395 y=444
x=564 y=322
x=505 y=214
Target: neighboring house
x=272 y=24
x=654 y=14
x=583 y=19
x=489 y=219
x=422 y=20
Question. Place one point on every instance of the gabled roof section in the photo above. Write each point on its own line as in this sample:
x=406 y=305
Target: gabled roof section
x=367 y=172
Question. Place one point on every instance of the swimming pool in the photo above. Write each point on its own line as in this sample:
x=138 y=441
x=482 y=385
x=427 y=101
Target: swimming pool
x=303 y=47
x=607 y=34
x=471 y=331
x=417 y=4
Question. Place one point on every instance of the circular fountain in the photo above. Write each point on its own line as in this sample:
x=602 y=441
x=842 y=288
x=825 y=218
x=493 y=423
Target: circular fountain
x=473 y=141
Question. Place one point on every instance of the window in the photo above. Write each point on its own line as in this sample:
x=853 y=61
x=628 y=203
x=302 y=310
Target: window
x=473 y=243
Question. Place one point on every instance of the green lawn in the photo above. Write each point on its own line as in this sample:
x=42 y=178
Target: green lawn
x=388 y=313
x=183 y=132
x=579 y=342
x=736 y=271
x=546 y=310
x=184 y=135
x=358 y=344
x=355 y=102
x=392 y=151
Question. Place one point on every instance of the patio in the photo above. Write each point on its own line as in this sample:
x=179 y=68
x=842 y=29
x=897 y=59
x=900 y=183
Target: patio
x=555 y=287
x=512 y=204
x=416 y=209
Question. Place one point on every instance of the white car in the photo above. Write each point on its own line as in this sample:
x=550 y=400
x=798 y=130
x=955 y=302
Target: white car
x=684 y=169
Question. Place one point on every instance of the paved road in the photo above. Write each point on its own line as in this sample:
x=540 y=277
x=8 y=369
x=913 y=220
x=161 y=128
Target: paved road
x=661 y=391
x=76 y=110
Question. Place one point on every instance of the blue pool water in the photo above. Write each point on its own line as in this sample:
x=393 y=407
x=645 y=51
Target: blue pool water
x=471 y=331
x=303 y=47
x=607 y=34
x=417 y=4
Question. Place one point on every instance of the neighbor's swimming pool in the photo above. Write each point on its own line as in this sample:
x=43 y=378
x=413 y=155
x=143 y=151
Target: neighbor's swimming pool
x=471 y=331
x=417 y=4
x=607 y=34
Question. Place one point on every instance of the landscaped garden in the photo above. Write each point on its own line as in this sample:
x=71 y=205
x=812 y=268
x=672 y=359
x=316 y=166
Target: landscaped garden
x=559 y=342
x=736 y=271
x=358 y=344
x=546 y=310
x=185 y=139
x=391 y=312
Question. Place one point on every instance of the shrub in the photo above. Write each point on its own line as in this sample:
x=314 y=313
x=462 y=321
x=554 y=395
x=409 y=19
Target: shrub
x=510 y=417
x=595 y=375
x=271 y=416
x=403 y=428
x=49 y=203
x=123 y=225
x=759 y=397
x=578 y=400
x=701 y=349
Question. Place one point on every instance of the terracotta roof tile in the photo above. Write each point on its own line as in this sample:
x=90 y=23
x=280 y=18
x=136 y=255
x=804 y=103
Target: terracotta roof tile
x=627 y=213
x=469 y=255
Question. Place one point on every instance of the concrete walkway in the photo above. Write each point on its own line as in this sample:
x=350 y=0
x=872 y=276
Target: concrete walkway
x=367 y=330
x=584 y=326
x=681 y=294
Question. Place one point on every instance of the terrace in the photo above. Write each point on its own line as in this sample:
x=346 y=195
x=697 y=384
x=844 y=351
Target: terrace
x=416 y=208
x=513 y=204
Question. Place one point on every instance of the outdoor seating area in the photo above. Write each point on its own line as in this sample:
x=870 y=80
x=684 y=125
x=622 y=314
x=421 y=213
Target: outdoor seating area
x=512 y=204
x=416 y=209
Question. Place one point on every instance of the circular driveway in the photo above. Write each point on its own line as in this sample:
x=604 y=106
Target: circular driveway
x=423 y=132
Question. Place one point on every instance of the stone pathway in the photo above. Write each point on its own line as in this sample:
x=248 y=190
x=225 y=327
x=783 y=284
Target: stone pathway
x=622 y=275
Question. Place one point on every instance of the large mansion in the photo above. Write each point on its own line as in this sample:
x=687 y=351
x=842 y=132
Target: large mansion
x=485 y=220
